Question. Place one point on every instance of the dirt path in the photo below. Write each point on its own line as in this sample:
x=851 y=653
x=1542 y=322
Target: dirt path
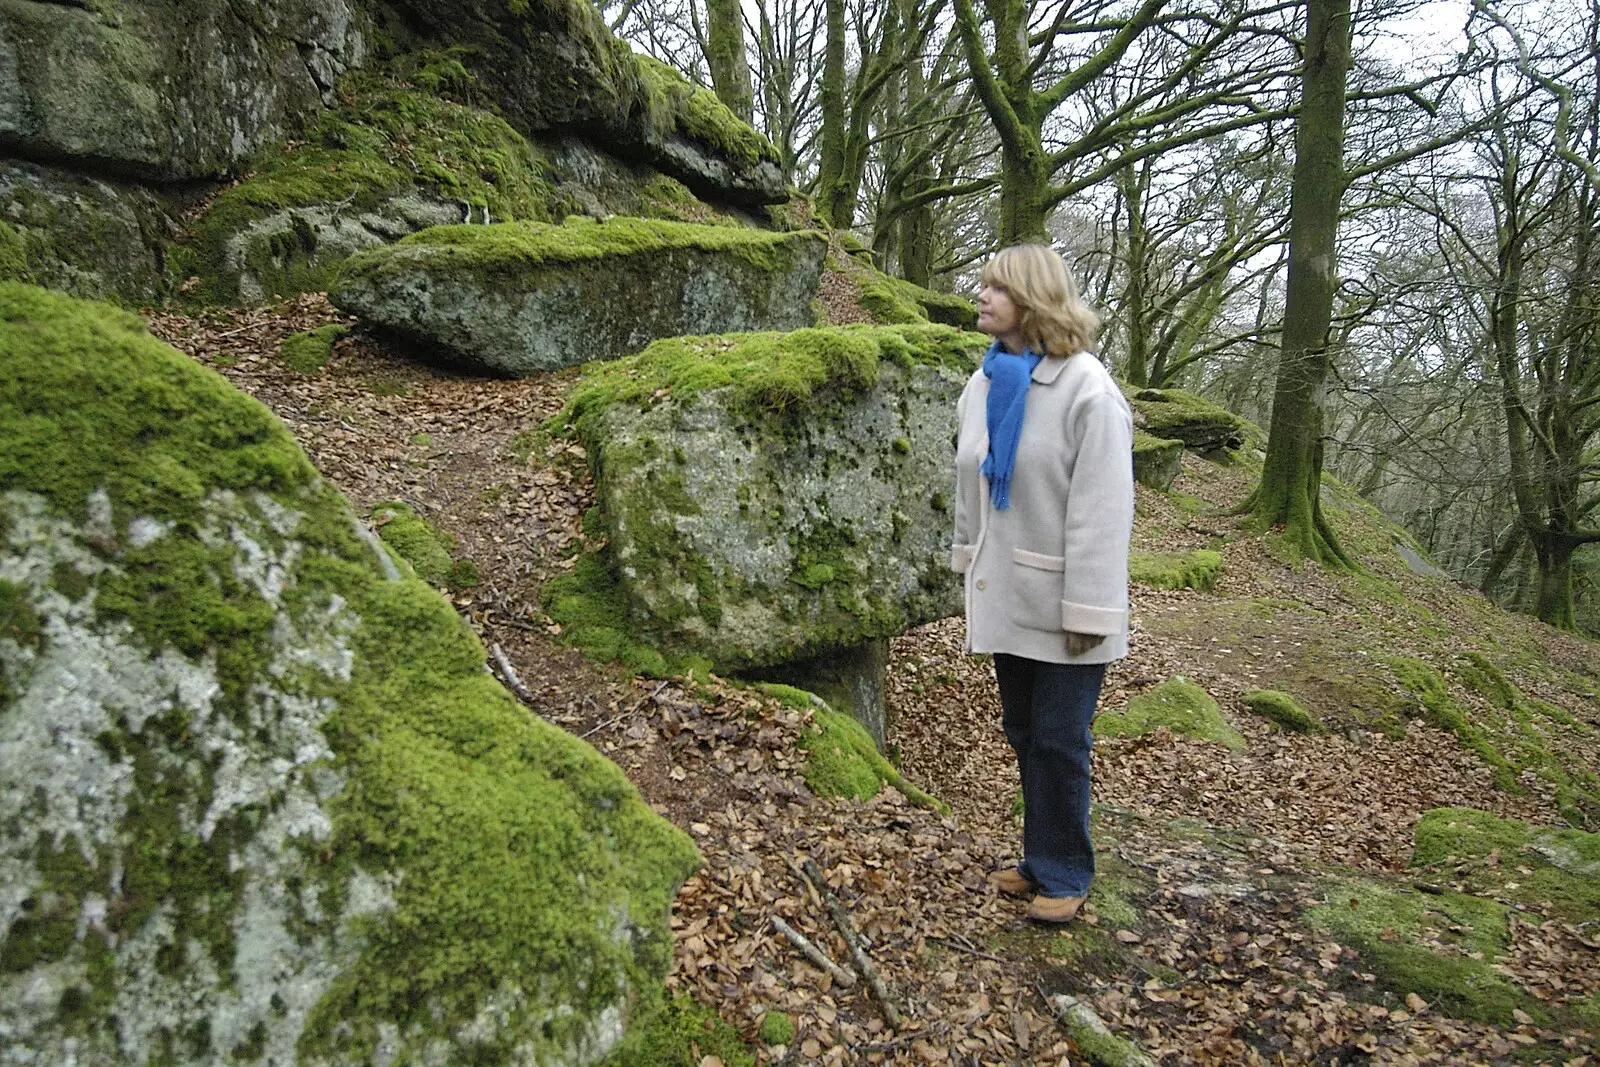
x=1193 y=947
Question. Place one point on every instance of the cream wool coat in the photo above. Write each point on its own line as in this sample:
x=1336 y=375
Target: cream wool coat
x=1057 y=558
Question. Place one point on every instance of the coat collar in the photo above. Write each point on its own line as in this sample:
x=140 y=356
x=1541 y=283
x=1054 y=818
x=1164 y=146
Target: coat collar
x=1049 y=369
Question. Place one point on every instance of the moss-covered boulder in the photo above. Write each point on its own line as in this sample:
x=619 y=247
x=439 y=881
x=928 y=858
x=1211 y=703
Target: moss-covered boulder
x=894 y=300
x=520 y=298
x=1156 y=461
x=90 y=237
x=552 y=65
x=1279 y=707
x=395 y=156
x=769 y=497
x=162 y=90
x=1177 y=704
x=1199 y=569
x=259 y=800
x=1176 y=415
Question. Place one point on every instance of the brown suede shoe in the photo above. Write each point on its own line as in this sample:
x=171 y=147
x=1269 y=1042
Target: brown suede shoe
x=1054 y=911
x=1011 y=882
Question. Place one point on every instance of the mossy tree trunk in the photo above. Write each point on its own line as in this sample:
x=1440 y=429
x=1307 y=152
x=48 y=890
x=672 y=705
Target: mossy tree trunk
x=1290 y=491
x=831 y=138
x=730 y=71
x=849 y=120
x=1134 y=184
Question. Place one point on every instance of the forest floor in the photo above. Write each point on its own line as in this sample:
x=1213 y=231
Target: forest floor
x=1200 y=941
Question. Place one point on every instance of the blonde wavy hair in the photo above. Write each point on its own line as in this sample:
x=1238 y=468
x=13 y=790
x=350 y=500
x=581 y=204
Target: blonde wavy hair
x=1051 y=317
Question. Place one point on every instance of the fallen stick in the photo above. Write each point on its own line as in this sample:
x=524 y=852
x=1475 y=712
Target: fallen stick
x=509 y=673
x=623 y=714
x=858 y=955
x=841 y=977
x=1096 y=1042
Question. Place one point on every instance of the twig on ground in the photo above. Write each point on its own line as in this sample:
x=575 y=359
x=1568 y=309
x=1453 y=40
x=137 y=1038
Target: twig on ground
x=623 y=714
x=841 y=977
x=858 y=955
x=956 y=944
x=513 y=682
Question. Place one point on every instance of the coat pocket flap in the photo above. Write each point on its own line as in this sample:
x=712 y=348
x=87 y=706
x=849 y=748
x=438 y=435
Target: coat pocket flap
x=1038 y=560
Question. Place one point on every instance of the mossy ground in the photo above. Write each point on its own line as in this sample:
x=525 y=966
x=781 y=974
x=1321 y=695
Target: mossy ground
x=1512 y=743
x=841 y=760
x=777 y=1028
x=1180 y=706
x=1199 y=569
x=1441 y=947
x=486 y=809
x=1547 y=866
x=310 y=350
x=1283 y=709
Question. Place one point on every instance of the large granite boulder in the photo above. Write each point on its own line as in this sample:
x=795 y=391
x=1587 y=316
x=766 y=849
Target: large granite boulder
x=519 y=298
x=552 y=65
x=391 y=159
x=770 y=498
x=259 y=799
x=87 y=236
x=162 y=90
x=1177 y=415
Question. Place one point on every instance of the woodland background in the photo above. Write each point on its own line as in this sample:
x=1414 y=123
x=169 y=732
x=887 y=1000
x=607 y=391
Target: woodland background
x=1448 y=170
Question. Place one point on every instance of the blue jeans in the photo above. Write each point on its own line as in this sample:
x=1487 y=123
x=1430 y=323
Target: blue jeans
x=1047 y=711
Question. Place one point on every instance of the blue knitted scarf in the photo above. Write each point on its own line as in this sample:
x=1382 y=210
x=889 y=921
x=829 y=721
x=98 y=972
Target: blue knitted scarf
x=1009 y=376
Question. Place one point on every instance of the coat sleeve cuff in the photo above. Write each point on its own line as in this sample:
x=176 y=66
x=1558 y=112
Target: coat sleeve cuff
x=961 y=558
x=1083 y=619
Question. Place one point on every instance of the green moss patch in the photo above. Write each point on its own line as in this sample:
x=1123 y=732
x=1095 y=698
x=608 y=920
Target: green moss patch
x=514 y=246
x=385 y=137
x=770 y=372
x=309 y=350
x=1554 y=867
x=1199 y=569
x=516 y=849
x=841 y=760
x=777 y=1028
x=697 y=113
x=1283 y=709
x=196 y=433
x=429 y=551
x=1174 y=414
x=1513 y=741
x=1424 y=944
x=894 y=300
x=592 y=610
x=1180 y=706
x=681 y=1032
x=13 y=256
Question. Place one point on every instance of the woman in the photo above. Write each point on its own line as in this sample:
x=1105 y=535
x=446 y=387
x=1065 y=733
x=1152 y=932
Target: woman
x=1044 y=509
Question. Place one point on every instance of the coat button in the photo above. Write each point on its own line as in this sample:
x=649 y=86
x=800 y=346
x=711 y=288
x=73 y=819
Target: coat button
x=980 y=583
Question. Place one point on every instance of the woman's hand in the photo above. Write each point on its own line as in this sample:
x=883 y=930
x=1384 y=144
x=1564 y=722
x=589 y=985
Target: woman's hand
x=1078 y=644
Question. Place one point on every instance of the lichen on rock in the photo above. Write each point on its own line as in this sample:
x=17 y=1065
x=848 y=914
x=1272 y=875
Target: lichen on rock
x=756 y=507
x=258 y=796
x=519 y=298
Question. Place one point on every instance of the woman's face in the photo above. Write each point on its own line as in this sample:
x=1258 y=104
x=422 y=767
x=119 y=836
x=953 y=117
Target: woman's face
x=997 y=315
